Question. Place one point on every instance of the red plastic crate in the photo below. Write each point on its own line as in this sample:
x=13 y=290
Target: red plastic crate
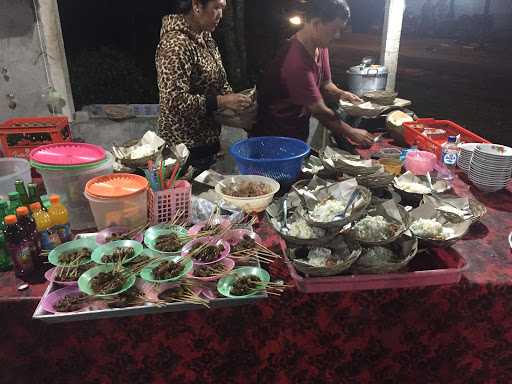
x=413 y=134
x=19 y=136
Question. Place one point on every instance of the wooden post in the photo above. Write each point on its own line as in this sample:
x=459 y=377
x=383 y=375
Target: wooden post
x=391 y=39
x=55 y=52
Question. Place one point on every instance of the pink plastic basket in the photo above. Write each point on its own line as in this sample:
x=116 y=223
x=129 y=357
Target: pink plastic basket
x=163 y=205
x=437 y=267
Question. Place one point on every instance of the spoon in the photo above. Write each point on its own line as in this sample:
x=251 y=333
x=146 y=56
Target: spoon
x=285 y=227
x=351 y=201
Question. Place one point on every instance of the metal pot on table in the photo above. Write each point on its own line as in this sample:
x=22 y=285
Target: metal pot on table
x=367 y=77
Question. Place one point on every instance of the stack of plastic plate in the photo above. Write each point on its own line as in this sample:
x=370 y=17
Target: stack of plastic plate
x=466 y=151
x=66 y=168
x=490 y=167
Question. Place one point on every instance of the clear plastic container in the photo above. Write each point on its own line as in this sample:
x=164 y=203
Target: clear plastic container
x=69 y=183
x=130 y=211
x=12 y=169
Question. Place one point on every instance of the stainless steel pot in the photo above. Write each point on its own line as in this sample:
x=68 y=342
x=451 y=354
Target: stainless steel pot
x=367 y=77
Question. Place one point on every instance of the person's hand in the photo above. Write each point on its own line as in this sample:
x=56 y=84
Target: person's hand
x=234 y=101
x=360 y=137
x=350 y=97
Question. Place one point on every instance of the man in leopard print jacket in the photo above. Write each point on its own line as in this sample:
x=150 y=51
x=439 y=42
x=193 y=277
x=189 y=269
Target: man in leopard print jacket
x=192 y=80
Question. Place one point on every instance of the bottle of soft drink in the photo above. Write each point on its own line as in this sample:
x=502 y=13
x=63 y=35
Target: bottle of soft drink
x=43 y=225
x=60 y=218
x=20 y=188
x=5 y=262
x=33 y=194
x=4 y=206
x=14 y=203
x=29 y=226
x=450 y=153
x=26 y=266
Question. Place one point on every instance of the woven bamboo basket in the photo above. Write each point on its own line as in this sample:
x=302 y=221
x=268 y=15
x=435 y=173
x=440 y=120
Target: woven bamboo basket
x=408 y=248
x=329 y=236
x=337 y=269
x=406 y=222
x=356 y=213
x=379 y=180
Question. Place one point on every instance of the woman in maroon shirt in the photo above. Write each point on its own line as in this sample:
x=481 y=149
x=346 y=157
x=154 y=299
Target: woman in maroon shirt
x=292 y=89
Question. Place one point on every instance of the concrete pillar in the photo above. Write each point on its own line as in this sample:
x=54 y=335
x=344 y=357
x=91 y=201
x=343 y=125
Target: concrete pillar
x=391 y=39
x=56 y=54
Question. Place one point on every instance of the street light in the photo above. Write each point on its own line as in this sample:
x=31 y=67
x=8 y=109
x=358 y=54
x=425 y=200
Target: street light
x=296 y=20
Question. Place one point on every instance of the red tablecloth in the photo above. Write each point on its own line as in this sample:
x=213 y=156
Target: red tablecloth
x=445 y=334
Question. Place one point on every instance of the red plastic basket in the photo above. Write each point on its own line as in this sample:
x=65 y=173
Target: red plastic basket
x=413 y=134
x=163 y=205
x=20 y=135
x=439 y=266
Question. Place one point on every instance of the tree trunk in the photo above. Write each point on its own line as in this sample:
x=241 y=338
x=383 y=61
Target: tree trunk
x=232 y=43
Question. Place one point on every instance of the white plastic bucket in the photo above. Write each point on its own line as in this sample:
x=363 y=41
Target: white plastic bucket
x=69 y=184
x=130 y=211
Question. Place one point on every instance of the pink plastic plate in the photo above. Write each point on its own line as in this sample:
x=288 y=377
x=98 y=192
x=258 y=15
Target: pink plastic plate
x=67 y=154
x=210 y=294
x=223 y=221
x=229 y=264
x=211 y=240
x=151 y=291
x=101 y=237
x=50 y=276
x=53 y=298
x=233 y=237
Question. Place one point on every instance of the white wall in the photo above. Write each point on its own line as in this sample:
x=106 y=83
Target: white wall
x=20 y=54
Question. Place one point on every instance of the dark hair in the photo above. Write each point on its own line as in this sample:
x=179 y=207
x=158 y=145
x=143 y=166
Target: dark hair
x=327 y=10
x=185 y=6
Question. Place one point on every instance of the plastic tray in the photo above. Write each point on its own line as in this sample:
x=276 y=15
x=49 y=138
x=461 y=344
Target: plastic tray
x=413 y=134
x=434 y=267
x=148 y=309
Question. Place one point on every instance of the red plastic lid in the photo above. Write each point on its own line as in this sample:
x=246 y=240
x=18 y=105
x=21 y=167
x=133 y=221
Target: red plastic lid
x=67 y=154
x=116 y=185
x=11 y=219
x=22 y=211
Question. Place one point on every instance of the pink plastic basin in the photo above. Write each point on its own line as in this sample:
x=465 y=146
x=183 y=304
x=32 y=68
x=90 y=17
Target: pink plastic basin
x=420 y=162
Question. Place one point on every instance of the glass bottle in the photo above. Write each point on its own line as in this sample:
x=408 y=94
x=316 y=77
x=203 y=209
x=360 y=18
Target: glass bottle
x=20 y=188
x=14 y=203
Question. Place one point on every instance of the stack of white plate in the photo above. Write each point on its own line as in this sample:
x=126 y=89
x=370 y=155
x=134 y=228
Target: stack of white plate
x=490 y=167
x=466 y=151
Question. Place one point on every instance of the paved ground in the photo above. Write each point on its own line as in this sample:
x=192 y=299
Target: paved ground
x=470 y=86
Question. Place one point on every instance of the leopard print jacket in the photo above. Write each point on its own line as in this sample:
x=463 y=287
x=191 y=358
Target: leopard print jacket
x=189 y=68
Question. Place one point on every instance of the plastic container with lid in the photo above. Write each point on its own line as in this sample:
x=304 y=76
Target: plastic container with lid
x=12 y=169
x=69 y=183
x=118 y=199
x=420 y=162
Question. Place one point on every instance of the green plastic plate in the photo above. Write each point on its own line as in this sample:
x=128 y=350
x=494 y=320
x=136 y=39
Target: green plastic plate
x=84 y=282
x=225 y=284
x=71 y=246
x=147 y=273
x=109 y=249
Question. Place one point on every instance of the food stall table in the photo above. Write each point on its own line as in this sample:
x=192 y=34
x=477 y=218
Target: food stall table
x=451 y=334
